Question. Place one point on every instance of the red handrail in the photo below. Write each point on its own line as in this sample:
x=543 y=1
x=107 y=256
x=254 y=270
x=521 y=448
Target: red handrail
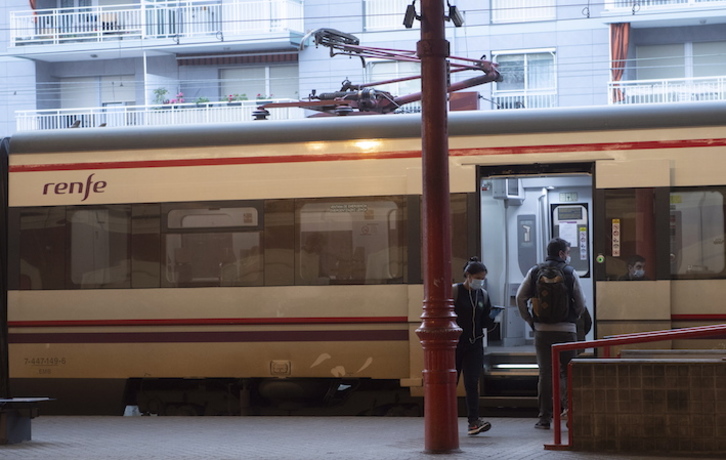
x=606 y=343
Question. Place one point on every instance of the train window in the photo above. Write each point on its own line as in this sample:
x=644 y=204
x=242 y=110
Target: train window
x=630 y=233
x=350 y=241
x=213 y=218
x=697 y=233
x=42 y=248
x=145 y=246
x=213 y=246
x=99 y=246
x=279 y=238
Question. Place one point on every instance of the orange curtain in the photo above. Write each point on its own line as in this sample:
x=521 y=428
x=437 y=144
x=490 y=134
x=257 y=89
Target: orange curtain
x=619 y=42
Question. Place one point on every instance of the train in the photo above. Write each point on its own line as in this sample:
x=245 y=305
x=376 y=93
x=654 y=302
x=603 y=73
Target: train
x=234 y=268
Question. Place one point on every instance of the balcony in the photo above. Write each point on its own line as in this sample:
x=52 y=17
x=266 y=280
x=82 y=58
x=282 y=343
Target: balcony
x=670 y=90
x=208 y=20
x=149 y=115
x=385 y=14
x=503 y=100
x=658 y=5
x=511 y=11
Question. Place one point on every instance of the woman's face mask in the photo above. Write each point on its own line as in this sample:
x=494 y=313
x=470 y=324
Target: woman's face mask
x=476 y=283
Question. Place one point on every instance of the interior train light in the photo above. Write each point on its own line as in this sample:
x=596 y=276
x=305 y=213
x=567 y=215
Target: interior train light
x=515 y=366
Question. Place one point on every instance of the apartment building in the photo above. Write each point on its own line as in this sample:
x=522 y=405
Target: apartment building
x=90 y=63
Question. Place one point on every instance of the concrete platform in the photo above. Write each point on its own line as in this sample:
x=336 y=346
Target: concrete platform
x=298 y=438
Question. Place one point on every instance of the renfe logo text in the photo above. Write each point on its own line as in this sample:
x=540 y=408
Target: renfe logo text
x=68 y=188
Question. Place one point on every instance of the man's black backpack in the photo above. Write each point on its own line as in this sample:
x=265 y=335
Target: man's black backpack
x=553 y=288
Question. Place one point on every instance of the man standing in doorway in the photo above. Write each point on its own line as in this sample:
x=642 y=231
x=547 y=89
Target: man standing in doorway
x=550 y=300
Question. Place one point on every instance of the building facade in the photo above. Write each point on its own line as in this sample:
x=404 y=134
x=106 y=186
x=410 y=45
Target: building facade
x=90 y=63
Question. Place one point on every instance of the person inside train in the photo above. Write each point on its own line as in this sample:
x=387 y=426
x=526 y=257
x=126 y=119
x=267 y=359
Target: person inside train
x=472 y=307
x=636 y=269
x=551 y=325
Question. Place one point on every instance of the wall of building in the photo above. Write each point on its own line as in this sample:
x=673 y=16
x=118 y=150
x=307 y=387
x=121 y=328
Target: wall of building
x=579 y=37
x=649 y=406
x=15 y=92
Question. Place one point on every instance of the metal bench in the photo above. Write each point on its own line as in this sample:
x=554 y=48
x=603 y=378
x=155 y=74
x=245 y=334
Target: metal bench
x=15 y=416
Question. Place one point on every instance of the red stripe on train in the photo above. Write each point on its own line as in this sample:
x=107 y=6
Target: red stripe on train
x=514 y=150
x=212 y=337
x=216 y=161
x=208 y=321
x=706 y=317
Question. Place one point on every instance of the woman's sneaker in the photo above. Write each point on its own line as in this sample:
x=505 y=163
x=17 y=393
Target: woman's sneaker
x=479 y=426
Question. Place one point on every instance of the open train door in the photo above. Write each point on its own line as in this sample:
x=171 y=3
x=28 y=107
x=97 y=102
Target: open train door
x=4 y=356
x=636 y=224
x=522 y=208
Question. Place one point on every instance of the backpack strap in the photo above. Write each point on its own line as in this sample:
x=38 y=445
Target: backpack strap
x=533 y=279
x=569 y=271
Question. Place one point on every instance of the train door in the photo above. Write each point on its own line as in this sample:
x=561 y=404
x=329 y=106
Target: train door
x=521 y=210
x=643 y=221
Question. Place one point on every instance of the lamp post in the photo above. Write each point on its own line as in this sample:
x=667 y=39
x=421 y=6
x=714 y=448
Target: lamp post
x=438 y=331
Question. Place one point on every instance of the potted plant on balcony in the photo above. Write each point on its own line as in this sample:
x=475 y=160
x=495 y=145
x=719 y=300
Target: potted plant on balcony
x=262 y=99
x=235 y=99
x=202 y=101
x=179 y=99
x=160 y=97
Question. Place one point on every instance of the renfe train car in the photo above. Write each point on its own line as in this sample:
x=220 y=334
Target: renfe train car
x=210 y=269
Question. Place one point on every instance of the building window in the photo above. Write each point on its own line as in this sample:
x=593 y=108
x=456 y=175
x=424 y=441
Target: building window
x=393 y=70
x=386 y=14
x=522 y=10
x=529 y=79
x=681 y=60
x=677 y=72
x=261 y=82
x=97 y=91
x=660 y=61
x=71 y=4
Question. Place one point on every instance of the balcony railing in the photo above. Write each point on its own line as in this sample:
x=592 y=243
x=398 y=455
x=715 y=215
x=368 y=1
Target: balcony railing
x=385 y=14
x=657 y=4
x=671 y=90
x=504 y=11
x=503 y=100
x=177 y=19
x=149 y=115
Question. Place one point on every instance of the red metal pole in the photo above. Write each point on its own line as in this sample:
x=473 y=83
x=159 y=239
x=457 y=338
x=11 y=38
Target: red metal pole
x=570 y=411
x=438 y=331
x=556 y=406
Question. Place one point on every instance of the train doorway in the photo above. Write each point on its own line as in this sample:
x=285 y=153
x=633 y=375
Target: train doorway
x=522 y=208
